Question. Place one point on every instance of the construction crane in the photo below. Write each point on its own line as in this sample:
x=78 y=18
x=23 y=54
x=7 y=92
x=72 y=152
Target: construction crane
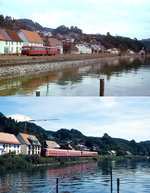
x=34 y=120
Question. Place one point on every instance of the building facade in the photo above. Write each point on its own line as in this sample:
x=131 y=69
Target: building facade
x=9 y=143
x=30 y=145
x=30 y=38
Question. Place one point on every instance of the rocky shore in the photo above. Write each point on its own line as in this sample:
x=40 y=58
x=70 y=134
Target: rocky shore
x=12 y=66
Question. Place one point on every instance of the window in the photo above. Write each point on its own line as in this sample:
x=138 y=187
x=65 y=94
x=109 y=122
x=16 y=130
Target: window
x=12 y=43
x=9 y=145
x=6 y=42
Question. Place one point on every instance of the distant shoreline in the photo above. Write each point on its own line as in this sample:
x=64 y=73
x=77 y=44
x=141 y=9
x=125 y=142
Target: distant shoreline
x=13 y=66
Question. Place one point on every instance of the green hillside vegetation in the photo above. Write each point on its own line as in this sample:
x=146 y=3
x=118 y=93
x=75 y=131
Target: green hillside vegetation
x=101 y=144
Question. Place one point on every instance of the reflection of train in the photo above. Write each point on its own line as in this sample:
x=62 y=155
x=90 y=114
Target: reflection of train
x=64 y=152
x=37 y=50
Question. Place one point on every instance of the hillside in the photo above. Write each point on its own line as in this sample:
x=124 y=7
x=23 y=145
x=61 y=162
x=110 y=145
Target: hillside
x=101 y=144
x=108 y=41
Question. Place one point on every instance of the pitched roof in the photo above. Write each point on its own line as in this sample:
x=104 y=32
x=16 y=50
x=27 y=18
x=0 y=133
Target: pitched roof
x=13 y=35
x=8 y=138
x=54 y=42
x=32 y=36
x=52 y=144
x=1 y=37
x=30 y=139
x=5 y=35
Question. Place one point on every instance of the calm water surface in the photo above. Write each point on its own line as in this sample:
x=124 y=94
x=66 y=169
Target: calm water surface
x=123 y=77
x=88 y=177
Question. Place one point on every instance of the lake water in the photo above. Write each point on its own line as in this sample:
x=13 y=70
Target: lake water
x=123 y=77
x=81 y=178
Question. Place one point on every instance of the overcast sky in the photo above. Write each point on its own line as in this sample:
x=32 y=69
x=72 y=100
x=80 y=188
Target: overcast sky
x=129 y=18
x=123 y=117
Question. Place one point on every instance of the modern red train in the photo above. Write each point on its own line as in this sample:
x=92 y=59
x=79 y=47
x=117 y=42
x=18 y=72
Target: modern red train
x=38 y=51
x=64 y=152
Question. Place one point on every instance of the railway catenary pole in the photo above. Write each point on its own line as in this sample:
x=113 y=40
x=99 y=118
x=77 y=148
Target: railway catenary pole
x=34 y=120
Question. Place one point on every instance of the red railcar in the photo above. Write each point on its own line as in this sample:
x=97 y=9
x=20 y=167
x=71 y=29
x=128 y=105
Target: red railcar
x=63 y=152
x=39 y=50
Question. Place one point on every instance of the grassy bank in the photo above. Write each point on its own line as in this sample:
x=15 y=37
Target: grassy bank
x=10 y=161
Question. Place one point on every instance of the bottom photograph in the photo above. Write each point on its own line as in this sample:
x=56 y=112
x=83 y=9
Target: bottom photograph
x=74 y=144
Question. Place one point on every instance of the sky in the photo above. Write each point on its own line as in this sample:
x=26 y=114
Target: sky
x=120 y=117
x=129 y=18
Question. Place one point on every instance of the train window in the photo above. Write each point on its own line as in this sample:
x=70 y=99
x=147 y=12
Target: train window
x=25 y=48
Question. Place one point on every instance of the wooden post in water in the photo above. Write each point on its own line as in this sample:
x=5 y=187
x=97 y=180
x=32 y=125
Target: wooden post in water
x=101 y=87
x=37 y=93
x=111 y=179
x=56 y=185
x=118 y=185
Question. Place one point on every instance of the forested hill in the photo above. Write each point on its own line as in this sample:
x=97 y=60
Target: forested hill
x=101 y=144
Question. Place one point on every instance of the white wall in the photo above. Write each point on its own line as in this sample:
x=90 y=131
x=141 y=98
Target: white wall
x=7 y=148
x=10 y=47
x=83 y=49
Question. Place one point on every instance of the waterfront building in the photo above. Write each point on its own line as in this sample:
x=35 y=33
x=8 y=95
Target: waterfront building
x=52 y=144
x=9 y=143
x=16 y=43
x=10 y=42
x=53 y=42
x=70 y=48
x=84 y=48
x=30 y=38
x=30 y=145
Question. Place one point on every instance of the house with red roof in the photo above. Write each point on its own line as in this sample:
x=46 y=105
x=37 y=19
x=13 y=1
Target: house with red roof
x=9 y=143
x=70 y=48
x=53 y=42
x=30 y=145
x=30 y=38
x=10 y=42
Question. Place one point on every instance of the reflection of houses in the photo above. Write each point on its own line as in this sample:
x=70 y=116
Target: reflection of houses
x=52 y=144
x=53 y=42
x=84 y=48
x=30 y=145
x=9 y=143
x=70 y=48
x=30 y=38
x=10 y=42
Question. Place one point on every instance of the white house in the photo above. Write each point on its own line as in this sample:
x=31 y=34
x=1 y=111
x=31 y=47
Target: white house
x=30 y=145
x=30 y=38
x=84 y=48
x=113 y=51
x=16 y=43
x=9 y=143
x=5 y=42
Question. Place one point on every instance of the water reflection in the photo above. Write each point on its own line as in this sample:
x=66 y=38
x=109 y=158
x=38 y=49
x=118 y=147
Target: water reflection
x=128 y=76
x=87 y=177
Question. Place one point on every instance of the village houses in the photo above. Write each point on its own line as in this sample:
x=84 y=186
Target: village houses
x=10 y=42
x=84 y=48
x=9 y=143
x=53 y=42
x=30 y=38
x=30 y=145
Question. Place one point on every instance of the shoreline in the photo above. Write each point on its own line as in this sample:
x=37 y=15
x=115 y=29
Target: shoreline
x=14 y=66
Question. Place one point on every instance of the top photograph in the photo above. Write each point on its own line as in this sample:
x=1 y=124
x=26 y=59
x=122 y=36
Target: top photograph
x=78 y=48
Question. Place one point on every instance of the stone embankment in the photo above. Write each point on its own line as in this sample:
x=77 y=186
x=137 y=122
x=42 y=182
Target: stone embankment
x=21 y=65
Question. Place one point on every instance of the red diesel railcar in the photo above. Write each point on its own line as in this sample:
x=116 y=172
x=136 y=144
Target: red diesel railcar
x=63 y=152
x=38 y=51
